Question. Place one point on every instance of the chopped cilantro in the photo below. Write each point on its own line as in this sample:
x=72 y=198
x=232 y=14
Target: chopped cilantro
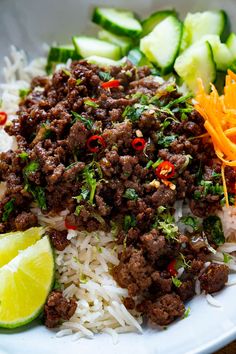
x=66 y=72
x=144 y=99
x=23 y=93
x=213 y=227
x=133 y=113
x=176 y=282
x=165 y=223
x=104 y=76
x=39 y=195
x=181 y=262
x=165 y=140
x=38 y=192
x=227 y=257
x=24 y=155
x=89 y=175
x=8 y=209
x=216 y=175
x=57 y=285
x=129 y=221
x=33 y=166
x=91 y=103
x=78 y=81
x=187 y=313
x=191 y=221
x=86 y=121
x=131 y=194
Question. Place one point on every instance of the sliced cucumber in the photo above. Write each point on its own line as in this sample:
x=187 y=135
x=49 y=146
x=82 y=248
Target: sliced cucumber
x=196 y=62
x=120 y=22
x=60 y=54
x=231 y=44
x=161 y=46
x=221 y=53
x=137 y=58
x=105 y=62
x=150 y=22
x=124 y=43
x=199 y=24
x=87 y=46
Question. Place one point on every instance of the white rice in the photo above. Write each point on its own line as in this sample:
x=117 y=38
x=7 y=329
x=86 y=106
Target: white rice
x=84 y=272
x=83 y=268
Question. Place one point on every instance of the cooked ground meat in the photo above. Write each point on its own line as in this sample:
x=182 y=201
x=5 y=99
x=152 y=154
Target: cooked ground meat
x=167 y=308
x=57 y=309
x=59 y=239
x=110 y=179
x=214 y=278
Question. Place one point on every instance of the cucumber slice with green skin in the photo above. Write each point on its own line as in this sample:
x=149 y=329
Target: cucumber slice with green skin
x=150 y=22
x=87 y=46
x=221 y=53
x=123 y=42
x=137 y=58
x=60 y=54
x=196 y=62
x=161 y=46
x=105 y=62
x=200 y=24
x=231 y=44
x=120 y=22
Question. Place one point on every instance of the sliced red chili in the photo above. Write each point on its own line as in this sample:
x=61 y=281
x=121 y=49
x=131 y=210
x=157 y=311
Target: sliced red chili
x=165 y=170
x=69 y=227
x=95 y=142
x=138 y=144
x=110 y=84
x=171 y=268
x=3 y=118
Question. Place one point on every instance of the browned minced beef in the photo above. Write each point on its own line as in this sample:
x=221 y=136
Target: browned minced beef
x=165 y=310
x=58 y=309
x=59 y=239
x=214 y=278
x=54 y=167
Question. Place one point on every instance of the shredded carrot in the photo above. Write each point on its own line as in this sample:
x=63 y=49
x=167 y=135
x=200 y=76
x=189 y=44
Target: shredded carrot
x=219 y=113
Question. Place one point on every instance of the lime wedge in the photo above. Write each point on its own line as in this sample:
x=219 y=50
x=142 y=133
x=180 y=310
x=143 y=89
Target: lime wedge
x=25 y=284
x=13 y=242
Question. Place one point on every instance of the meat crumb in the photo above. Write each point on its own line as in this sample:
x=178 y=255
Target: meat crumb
x=58 y=309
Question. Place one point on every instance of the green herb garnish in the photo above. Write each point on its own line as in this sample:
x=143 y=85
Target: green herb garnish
x=104 y=76
x=187 y=313
x=176 y=282
x=129 y=221
x=87 y=122
x=78 y=81
x=131 y=194
x=8 y=209
x=213 y=227
x=33 y=166
x=165 y=140
x=179 y=100
x=133 y=113
x=23 y=93
x=191 y=221
x=227 y=257
x=91 y=103
x=24 y=155
x=66 y=72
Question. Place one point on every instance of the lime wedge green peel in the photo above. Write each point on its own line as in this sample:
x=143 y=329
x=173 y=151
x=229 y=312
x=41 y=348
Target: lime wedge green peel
x=13 y=242
x=25 y=284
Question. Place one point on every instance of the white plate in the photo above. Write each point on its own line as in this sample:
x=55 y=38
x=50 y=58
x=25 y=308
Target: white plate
x=27 y=24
